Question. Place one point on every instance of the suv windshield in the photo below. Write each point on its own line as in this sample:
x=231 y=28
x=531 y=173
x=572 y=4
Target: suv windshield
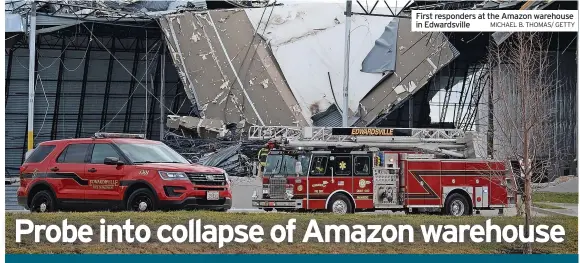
x=151 y=153
x=287 y=164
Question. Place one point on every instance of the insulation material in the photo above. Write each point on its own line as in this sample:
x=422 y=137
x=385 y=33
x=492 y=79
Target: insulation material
x=227 y=71
x=383 y=56
x=420 y=56
x=307 y=40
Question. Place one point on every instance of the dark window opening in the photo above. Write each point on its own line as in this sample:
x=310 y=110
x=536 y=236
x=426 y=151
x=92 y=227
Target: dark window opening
x=362 y=165
x=319 y=165
x=342 y=165
x=39 y=154
x=102 y=151
x=74 y=153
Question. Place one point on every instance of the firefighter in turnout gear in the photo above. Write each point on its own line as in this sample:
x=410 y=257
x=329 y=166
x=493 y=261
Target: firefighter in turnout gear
x=262 y=155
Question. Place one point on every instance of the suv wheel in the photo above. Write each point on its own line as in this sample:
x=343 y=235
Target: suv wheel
x=43 y=201
x=141 y=200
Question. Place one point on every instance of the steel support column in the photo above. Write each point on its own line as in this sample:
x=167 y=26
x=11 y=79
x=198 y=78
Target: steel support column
x=105 y=109
x=345 y=109
x=31 y=75
x=133 y=86
x=54 y=132
x=411 y=106
x=152 y=104
x=8 y=75
x=83 y=92
x=162 y=95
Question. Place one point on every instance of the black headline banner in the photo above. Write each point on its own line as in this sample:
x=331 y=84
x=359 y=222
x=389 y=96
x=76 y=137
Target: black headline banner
x=371 y=131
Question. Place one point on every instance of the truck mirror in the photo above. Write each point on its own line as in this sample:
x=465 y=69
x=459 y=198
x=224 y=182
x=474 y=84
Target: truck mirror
x=113 y=161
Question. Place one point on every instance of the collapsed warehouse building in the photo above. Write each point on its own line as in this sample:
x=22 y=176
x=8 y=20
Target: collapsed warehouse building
x=198 y=74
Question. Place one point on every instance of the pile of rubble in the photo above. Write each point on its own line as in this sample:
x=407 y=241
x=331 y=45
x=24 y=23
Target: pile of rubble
x=213 y=143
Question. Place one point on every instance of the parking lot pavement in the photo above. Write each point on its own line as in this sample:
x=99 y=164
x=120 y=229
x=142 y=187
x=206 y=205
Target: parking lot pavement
x=569 y=186
x=242 y=190
x=567 y=209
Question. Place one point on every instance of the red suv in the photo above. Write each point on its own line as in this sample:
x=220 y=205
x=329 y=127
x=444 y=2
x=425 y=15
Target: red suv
x=115 y=172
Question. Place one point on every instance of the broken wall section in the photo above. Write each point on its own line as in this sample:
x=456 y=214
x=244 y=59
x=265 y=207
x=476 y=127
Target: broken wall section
x=228 y=70
x=419 y=57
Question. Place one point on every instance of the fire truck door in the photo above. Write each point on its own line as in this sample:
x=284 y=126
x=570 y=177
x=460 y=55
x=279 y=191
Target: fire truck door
x=329 y=173
x=342 y=168
x=363 y=183
x=318 y=177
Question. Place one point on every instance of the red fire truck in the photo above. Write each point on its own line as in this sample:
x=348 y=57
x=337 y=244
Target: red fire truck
x=343 y=170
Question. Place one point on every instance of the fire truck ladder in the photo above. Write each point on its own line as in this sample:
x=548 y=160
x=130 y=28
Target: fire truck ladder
x=447 y=142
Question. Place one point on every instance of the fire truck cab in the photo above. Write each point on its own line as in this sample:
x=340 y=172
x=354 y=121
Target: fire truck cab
x=343 y=170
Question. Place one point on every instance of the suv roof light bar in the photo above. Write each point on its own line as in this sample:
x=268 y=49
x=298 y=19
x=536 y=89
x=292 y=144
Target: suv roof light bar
x=102 y=135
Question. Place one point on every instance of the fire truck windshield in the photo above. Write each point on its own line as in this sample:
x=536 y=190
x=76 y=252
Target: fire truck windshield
x=287 y=164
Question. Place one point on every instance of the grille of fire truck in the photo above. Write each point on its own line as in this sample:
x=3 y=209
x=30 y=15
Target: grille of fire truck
x=277 y=187
x=207 y=179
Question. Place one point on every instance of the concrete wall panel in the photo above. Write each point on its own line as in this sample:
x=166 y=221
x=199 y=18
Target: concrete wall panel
x=250 y=87
x=419 y=57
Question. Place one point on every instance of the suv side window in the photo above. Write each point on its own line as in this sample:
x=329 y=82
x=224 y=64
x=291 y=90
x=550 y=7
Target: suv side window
x=39 y=154
x=102 y=151
x=74 y=153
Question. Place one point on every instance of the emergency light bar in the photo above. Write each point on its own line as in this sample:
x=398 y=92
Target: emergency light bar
x=372 y=131
x=102 y=135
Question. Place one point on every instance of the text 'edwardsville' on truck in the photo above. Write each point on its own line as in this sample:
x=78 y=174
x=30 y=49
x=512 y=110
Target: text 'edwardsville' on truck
x=343 y=170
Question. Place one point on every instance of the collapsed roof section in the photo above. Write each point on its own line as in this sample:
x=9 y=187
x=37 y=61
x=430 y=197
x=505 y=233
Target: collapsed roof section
x=282 y=65
x=307 y=40
x=419 y=56
x=227 y=70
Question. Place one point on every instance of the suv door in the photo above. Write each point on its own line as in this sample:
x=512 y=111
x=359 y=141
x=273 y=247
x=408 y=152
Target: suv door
x=104 y=179
x=68 y=173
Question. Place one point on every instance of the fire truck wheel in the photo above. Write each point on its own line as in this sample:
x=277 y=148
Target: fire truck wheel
x=141 y=200
x=457 y=205
x=268 y=209
x=43 y=201
x=339 y=204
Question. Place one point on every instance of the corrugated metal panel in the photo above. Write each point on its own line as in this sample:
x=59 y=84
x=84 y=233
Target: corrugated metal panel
x=332 y=119
x=91 y=124
x=119 y=89
x=93 y=104
x=15 y=132
x=98 y=67
x=17 y=100
x=17 y=104
x=19 y=65
x=119 y=73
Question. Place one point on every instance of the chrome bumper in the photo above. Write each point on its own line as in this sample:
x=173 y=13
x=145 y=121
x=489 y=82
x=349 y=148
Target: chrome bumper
x=277 y=203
